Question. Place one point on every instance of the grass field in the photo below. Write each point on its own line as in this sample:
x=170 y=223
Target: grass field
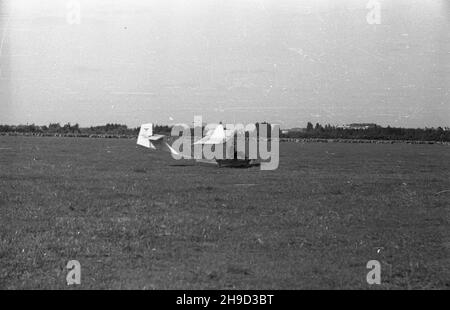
x=137 y=219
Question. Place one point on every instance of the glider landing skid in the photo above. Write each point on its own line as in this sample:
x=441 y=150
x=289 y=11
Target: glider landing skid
x=236 y=163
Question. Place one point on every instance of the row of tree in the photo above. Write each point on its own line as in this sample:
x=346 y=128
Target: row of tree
x=373 y=132
x=57 y=128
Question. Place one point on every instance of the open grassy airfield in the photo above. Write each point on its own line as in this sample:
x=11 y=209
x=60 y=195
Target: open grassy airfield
x=138 y=219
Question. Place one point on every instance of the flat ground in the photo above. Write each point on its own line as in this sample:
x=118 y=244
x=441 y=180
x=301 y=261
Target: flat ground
x=137 y=219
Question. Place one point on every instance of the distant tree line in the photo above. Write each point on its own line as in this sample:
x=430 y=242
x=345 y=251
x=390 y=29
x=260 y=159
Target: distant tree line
x=374 y=132
x=57 y=128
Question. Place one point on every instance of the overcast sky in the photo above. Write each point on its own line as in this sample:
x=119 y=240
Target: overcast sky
x=228 y=60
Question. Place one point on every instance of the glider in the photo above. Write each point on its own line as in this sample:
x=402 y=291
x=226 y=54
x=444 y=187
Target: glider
x=218 y=137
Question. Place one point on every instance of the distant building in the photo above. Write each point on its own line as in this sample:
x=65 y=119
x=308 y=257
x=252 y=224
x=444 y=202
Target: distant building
x=358 y=126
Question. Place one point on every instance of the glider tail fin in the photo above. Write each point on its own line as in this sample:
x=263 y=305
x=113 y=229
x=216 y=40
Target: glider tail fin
x=145 y=133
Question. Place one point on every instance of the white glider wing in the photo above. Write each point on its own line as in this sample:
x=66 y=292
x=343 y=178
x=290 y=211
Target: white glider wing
x=217 y=136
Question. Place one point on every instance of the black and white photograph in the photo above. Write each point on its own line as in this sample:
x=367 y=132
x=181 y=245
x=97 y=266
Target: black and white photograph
x=209 y=146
